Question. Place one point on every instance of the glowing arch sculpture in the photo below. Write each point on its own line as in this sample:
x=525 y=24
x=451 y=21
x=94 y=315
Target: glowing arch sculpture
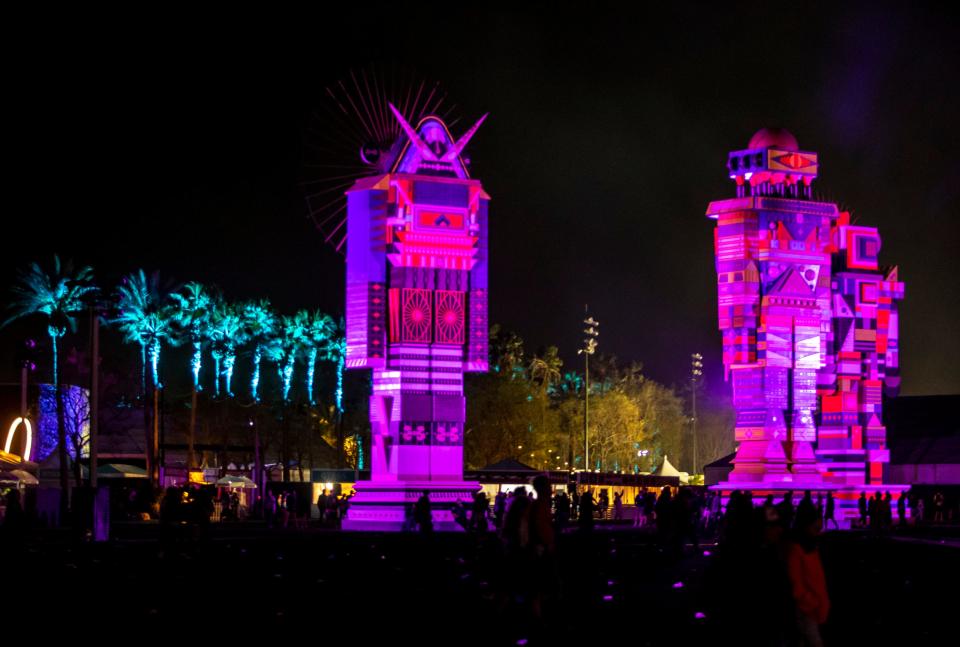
x=27 y=438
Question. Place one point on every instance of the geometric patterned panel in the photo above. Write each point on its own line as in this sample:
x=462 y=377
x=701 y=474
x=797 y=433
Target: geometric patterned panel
x=449 y=317
x=415 y=433
x=863 y=247
x=376 y=313
x=416 y=314
x=477 y=327
x=447 y=433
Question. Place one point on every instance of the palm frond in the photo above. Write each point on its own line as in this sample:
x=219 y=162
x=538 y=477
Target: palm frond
x=58 y=295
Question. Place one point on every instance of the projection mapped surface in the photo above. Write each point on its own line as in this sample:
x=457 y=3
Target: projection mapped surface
x=809 y=323
x=417 y=316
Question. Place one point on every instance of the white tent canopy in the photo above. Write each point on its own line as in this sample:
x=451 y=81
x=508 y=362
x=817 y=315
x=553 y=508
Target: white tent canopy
x=667 y=469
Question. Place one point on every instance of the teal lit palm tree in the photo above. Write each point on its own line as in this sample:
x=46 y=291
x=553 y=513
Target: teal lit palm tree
x=260 y=322
x=545 y=369
x=226 y=332
x=146 y=318
x=192 y=316
x=58 y=296
x=336 y=352
x=284 y=347
x=319 y=331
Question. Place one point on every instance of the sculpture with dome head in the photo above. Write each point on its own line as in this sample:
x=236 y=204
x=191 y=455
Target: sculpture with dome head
x=810 y=329
x=417 y=316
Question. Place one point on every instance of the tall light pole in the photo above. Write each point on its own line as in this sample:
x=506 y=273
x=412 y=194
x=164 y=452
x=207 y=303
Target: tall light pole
x=592 y=331
x=696 y=374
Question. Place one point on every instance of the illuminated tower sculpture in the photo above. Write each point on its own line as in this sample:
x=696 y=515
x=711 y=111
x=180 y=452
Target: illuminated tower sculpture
x=809 y=326
x=417 y=316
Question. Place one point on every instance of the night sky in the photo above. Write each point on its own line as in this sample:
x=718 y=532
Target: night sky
x=178 y=144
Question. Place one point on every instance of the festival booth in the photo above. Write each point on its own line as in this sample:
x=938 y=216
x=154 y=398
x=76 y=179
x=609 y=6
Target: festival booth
x=235 y=498
x=16 y=475
x=628 y=485
x=509 y=474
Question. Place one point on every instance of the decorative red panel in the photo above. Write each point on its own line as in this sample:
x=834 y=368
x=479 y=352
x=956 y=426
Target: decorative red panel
x=417 y=314
x=394 y=302
x=450 y=319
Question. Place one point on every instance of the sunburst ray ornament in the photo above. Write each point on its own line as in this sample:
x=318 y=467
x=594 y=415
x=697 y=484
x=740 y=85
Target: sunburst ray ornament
x=356 y=134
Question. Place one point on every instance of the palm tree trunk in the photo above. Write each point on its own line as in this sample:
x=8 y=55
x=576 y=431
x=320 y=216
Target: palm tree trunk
x=155 y=363
x=228 y=362
x=286 y=376
x=255 y=378
x=155 y=438
x=258 y=464
x=195 y=364
x=284 y=450
x=61 y=433
x=283 y=425
x=341 y=365
x=216 y=375
x=341 y=454
x=191 y=459
x=338 y=398
x=143 y=370
x=147 y=431
x=311 y=365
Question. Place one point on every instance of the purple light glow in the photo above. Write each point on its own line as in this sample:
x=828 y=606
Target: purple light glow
x=76 y=420
x=416 y=303
x=678 y=585
x=810 y=326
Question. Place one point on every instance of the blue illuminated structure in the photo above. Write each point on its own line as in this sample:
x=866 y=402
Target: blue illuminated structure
x=76 y=405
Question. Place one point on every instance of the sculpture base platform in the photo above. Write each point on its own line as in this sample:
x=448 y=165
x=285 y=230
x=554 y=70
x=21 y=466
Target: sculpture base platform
x=385 y=506
x=846 y=512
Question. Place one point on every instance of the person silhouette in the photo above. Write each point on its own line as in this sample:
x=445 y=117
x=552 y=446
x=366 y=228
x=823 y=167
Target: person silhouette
x=902 y=509
x=807 y=580
x=422 y=513
x=830 y=512
x=585 y=513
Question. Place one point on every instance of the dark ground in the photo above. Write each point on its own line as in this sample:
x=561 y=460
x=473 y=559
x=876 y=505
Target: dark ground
x=617 y=587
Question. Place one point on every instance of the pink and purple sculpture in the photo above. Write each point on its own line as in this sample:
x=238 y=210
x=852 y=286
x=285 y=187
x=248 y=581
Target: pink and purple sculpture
x=417 y=316
x=810 y=329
